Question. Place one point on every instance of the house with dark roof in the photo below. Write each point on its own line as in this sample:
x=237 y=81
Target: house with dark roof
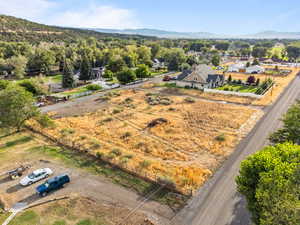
x=200 y=76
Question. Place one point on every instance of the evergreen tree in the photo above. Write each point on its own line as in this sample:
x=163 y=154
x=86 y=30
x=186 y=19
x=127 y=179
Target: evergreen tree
x=68 y=80
x=85 y=68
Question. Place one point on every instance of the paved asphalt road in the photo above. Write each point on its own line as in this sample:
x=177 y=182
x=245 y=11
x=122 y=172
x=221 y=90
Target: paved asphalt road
x=217 y=202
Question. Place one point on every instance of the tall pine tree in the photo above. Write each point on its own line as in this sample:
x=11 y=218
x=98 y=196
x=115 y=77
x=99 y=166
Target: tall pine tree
x=85 y=68
x=68 y=80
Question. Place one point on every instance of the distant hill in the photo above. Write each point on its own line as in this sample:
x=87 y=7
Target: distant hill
x=15 y=29
x=160 y=33
x=274 y=35
x=202 y=35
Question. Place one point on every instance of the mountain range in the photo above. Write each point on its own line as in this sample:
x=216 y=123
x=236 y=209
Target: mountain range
x=200 y=35
x=16 y=29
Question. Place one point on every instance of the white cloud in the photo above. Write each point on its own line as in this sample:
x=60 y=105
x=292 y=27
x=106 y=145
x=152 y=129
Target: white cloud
x=92 y=16
x=28 y=9
x=97 y=16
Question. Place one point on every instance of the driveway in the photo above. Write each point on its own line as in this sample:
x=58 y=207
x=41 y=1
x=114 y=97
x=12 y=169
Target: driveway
x=217 y=202
x=83 y=184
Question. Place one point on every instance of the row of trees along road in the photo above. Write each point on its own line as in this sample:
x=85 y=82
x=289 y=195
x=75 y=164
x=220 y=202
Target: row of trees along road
x=270 y=179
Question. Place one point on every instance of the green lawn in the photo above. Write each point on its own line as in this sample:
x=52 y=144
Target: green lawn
x=74 y=91
x=155 y=73
x=238 y=88
x=55 y=79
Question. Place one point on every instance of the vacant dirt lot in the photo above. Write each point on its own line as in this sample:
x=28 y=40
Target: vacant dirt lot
x=157 y=134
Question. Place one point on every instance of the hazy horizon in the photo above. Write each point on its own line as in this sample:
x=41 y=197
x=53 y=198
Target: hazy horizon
x=219 y=17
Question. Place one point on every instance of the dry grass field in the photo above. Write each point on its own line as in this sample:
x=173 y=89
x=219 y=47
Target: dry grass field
x=158 y=135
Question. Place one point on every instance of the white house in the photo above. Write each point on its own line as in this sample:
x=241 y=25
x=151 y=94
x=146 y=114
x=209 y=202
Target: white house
x=236 y=67
x=255 y=69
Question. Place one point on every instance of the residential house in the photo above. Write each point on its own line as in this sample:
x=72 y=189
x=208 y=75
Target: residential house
x=157 y=65
x=255 y=69
x=97 y=73
x=200 y=76
x=238 y=67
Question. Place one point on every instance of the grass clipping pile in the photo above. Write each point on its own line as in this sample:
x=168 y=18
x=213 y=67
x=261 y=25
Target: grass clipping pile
x=173 y=139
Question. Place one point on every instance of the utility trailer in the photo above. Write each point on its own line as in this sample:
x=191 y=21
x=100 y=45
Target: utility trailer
x=17 y=172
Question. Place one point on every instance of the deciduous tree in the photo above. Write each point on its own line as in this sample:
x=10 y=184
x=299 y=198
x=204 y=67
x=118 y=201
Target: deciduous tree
x=126 y=76
x=143 y=71
x=269 y=181
x=16 y=107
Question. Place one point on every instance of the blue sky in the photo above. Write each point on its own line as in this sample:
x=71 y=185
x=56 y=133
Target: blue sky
x=217 y=16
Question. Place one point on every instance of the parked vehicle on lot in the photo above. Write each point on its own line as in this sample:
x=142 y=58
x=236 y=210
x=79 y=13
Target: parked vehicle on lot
x=173 y=78
x=166 y=78
x=53 y=184
x=35 y=176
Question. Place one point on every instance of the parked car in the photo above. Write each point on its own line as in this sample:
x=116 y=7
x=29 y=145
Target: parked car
x=166 y=78
x=174 y=78
x=35 y=176
x=53 y=184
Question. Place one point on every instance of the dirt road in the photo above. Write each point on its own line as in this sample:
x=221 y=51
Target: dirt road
x=217 y=202
x=80 y=102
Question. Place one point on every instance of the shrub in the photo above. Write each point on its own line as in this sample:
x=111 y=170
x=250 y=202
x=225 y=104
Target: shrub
x=108 y=119
x=145 y=164
x=126 y=76
x=33 y=86
x=165 y=102
x=95 y=144
x=45 y=121
x=128 y=156
x=189 y=100
x=116 y=111
x=128 y=100
x=99 y=155
x=116 y=152
x=221 y=138
x=126 y=135
x=108 y=74
x=251 y=80
x=82 y=137
x=93 y=87
x=104 y=98
x=3 y=84
x=67 y=131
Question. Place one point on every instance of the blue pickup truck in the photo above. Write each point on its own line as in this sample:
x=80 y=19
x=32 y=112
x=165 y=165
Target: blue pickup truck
x=53 y=184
